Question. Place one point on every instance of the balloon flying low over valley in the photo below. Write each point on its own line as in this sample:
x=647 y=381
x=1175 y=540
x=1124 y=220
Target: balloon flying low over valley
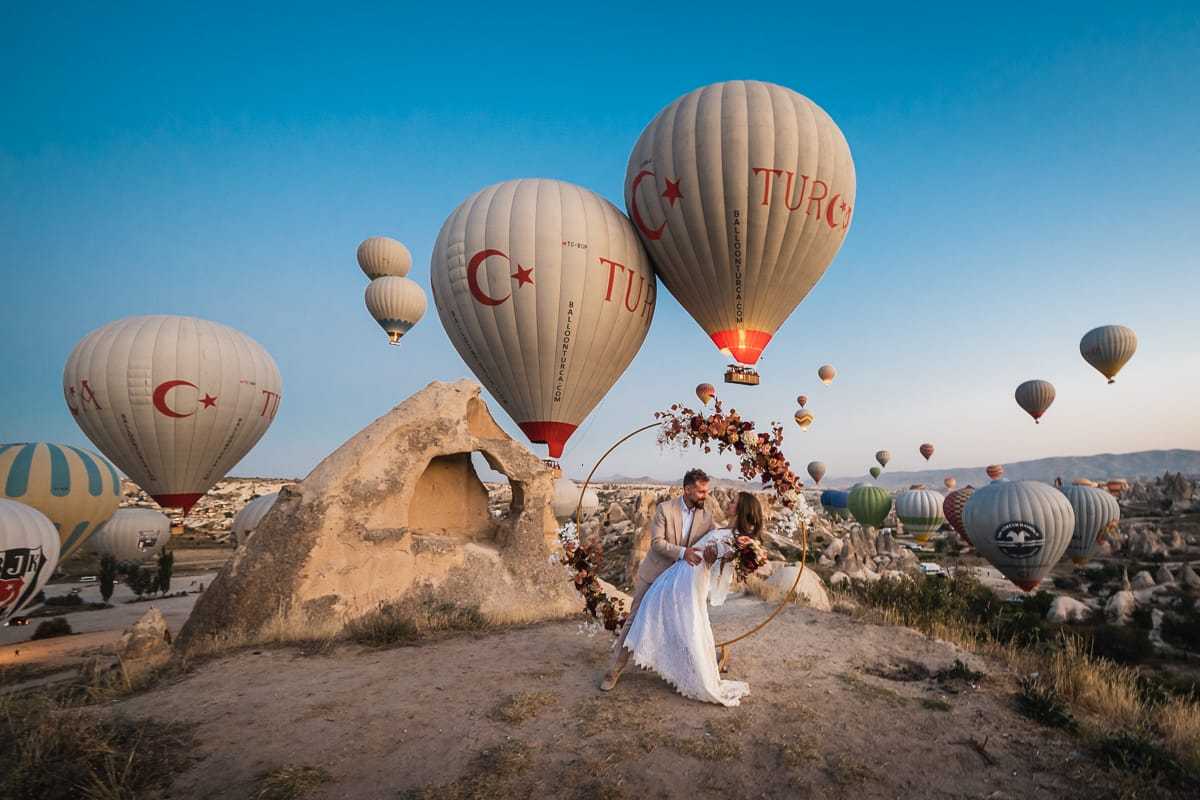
x=984 y=204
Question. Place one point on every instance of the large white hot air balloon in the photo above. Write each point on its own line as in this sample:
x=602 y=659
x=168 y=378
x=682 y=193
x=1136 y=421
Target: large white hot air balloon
x=28 y=554
x=174 y=402
x=1022 y=527
x=1095 y=509
x=396 y=304
x=742 y=192
x=132 y=535
x=921 y=512
x=1107 y=348
x=246 y=521
x=547 y=295
x=380 y=256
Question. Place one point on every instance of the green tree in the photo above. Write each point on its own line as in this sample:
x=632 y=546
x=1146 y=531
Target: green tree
x=166 y=564
x=108 y=576
x=140 y=580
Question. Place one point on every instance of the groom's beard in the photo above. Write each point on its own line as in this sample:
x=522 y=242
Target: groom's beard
x=693 y=505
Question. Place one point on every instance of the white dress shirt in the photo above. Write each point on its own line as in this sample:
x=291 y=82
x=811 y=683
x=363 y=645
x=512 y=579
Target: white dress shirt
x=688 y=514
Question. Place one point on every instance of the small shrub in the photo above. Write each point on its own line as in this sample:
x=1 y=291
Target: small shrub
x=141 y=581
x=57 y=626
x=412 y=618
x=1041 y=702
x=1119 y=643
x=1135 y=752
x=166 y=565
x=934 y=705
x=108 y=576
x=959 y=671
x=65 y=600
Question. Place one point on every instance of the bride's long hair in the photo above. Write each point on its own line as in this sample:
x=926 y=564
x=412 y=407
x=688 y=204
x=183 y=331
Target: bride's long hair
x=748 y=516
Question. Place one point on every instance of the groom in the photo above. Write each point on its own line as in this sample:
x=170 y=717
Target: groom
x=677 y=523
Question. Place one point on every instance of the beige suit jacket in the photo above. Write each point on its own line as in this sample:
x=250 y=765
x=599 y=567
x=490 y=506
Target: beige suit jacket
x=667 y=540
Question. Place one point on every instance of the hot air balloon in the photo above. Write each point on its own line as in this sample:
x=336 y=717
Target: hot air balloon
x=827 y=373
x=247 y=520
x=396 y=304
x=926 y=450
x=804 y=418
x=1021 y=527
x=380 y=256
x=875 y=471
x=1095 y=510
x=132 y=535
x=1115 y=487
x=28 y=555
x=953 y=506
x=1108 y=348
x=547 y=295
x=883 y=457
x=742 y=193
x=175 y=402
x=76 y=489
x=995 y=471
x=706 y=392
x=1035 y=397
x=802 y=400
x=921 y=512
x=836 y=503
x=566 y=499
x=869 y=504
x=816 y=470
x=950 y=481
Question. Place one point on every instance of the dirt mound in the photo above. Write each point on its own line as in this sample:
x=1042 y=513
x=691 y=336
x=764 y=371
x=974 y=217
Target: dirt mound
x=838 y=708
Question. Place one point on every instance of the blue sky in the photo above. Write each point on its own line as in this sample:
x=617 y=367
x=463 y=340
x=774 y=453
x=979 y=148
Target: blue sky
x=1023 y=175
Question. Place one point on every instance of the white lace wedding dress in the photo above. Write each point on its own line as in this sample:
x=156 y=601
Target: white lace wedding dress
x=671 y=633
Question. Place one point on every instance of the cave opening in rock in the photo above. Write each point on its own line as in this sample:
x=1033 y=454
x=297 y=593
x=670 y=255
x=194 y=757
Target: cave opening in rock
x=452 y=500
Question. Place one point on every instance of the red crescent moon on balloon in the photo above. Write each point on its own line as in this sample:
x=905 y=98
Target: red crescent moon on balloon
x=473 y=277
x=160 y=398
x=829 y=210
x=652 y=234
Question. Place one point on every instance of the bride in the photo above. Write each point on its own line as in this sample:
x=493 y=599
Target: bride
x=671 y=633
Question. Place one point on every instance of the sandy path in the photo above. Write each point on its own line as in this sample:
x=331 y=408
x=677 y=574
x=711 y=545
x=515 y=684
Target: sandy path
x=381 y=721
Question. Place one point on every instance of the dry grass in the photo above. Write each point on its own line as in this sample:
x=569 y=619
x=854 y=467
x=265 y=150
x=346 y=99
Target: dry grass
x=489 y=776
x=1103 y=697
x=54 y=751
x=289 y=783
x=523 y=706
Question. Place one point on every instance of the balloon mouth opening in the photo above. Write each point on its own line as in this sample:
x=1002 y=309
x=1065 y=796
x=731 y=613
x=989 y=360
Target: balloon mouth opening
x=1027 y=586
x=183 y=501
x=394 y=337
x=744 y=345
x=552 y=434
x=1078 y=561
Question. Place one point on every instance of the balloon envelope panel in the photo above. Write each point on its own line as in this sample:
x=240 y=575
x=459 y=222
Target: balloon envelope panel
x=75 y=488
x=870 y=504
x=547 y=294
x=1021 y=527
x=175 y=402
x=742 y=191
x=1095 y=510
x=132 y=535
x=28 y=555
x=921 y=512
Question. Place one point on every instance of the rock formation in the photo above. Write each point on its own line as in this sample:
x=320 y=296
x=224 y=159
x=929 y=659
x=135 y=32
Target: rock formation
x=396 y=513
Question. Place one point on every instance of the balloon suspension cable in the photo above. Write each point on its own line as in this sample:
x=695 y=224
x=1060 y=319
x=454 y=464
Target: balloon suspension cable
x=790 y=597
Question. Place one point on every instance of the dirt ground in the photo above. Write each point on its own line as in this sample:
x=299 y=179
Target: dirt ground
x=838 y=708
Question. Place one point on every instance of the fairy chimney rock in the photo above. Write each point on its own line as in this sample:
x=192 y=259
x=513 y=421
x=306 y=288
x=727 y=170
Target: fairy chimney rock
x=398 y=514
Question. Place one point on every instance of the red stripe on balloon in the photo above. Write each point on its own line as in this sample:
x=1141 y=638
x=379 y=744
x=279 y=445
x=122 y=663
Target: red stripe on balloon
x=745 y=344
x=184 y=501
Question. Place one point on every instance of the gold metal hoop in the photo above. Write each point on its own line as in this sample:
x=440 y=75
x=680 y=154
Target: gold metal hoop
x=788 y=598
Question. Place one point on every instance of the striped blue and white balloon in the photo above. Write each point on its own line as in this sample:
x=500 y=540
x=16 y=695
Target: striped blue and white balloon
x=75 y=488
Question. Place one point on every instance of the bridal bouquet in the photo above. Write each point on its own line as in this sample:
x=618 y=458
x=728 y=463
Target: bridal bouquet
x=748 y=556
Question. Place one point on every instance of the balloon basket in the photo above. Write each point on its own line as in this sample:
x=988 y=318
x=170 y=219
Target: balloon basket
x=394 y=338
x=552 y=464
x=745 y=376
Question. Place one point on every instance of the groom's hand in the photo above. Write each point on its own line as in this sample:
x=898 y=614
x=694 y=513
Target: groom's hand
x=692 y=556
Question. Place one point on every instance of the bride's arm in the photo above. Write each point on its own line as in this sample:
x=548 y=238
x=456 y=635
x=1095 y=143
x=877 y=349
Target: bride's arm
x=720 y=574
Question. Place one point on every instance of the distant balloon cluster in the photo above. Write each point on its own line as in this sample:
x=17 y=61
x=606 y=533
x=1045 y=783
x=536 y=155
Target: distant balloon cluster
x=395 y=302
